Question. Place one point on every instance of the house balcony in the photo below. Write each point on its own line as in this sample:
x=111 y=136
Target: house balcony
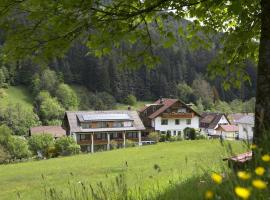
x=178 y=115
x=105 y=141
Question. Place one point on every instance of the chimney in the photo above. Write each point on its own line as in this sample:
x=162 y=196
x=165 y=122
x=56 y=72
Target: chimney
x=160 y=100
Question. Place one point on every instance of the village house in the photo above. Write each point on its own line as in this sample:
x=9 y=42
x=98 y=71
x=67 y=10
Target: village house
x=55 y=131
x=169 y=116
x=246 y=127
x=209 y=122
x=228 y=131
x=95 y=130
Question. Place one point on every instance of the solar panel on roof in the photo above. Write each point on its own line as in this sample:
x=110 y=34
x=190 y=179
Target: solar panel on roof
x=96 y=117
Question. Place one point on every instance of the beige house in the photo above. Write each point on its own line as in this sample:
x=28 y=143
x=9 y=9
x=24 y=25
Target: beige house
x=94 y=130
x=228 y=131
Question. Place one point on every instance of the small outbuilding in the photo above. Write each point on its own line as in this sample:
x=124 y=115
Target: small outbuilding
x=228 y=131
x=55 y=131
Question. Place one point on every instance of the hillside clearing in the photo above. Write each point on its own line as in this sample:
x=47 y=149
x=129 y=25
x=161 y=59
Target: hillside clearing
x=185 y=158
x=17 y=95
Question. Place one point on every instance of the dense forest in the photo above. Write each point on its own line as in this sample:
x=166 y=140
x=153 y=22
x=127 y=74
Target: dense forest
x=79 y=80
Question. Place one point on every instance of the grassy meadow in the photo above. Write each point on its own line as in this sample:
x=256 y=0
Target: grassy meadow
x=17 y=95
x=142 y=166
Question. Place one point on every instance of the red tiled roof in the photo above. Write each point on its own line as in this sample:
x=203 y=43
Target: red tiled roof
x=167 y=103
x=228 y=128
x=55 y=131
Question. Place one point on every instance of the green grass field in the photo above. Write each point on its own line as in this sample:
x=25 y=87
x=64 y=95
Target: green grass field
x=15 y=95
x=184 y=159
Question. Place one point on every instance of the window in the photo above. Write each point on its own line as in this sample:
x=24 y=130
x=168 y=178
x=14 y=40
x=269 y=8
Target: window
x=85 y=125
x=118 y=124
x=163 y=132
x=188 y=121
x=177 y=122
x=82 y=137
x=164 y=122
x=174 y=132
x=132 y=135
x=182 y=110
x=102 y=125
x=179 y=133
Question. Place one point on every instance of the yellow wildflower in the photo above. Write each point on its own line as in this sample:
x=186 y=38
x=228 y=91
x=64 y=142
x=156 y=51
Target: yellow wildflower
x=243 y=175
x=266 y=158
x=259 y=171
x=216 y=178
x=253 y=146
x=259 y=184
x=209 y=194
x=242 y=192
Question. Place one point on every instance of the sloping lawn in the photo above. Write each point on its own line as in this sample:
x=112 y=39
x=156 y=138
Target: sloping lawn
x=17 y=95
x=184 y=159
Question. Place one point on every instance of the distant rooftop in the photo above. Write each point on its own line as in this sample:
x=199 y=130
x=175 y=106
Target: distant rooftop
x=106 y=117
x=248 y=119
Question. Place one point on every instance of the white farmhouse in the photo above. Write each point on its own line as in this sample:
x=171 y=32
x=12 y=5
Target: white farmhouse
x=169 y=116
x=209 y=122
x=246 y=127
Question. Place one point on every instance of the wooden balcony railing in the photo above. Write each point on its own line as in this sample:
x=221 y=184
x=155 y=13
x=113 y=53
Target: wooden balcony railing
x=177 y=115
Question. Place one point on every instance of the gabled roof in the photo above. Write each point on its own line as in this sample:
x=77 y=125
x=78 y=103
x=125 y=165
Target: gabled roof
x=248 y=119
x=164 y=104
x=237 y=116
x=210 y=120
x=55 y=131
x=74 y=125
x=228 y=127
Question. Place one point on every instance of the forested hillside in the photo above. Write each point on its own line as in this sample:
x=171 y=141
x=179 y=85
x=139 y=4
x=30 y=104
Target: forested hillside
x=79 y=80
x=179 y=64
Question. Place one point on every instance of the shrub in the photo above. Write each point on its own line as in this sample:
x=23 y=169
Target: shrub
x=200 y=137
x=41 y=143
x=190 y=133
x=162 y=138
x=179 y=138
x=2 y=93
x=5 y=134
x=18 y=118
x=130 y=143
x=114 y=144
x=67 y=146
x=18 y=147
x=131 y=100
x=154 y=136
x=173 y=138
x=4 y=155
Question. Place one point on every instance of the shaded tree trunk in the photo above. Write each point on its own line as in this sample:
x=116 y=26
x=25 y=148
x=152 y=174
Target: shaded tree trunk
x=262 y=112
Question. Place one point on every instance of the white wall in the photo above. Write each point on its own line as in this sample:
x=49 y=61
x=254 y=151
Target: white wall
x=223 y=120
x=248 y=134
x=173 y=127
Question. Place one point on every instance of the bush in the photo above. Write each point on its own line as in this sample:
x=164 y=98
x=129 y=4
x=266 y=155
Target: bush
x=114 y=144
x=67 y=146
x=41 y=143
x=173 y=138
x=154 y=136
x=18 y=118
x=190 y=133
x=162 y=138
x=130 y=143
x=200 y=137
x=131 y=100
x=18 y=147
x=2 y=93
x=4 y=155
